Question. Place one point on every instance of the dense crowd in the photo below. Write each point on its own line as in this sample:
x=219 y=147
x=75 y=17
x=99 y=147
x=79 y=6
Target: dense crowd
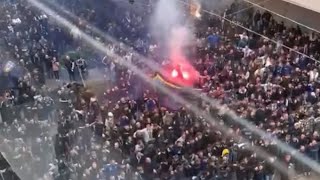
x=71 y=132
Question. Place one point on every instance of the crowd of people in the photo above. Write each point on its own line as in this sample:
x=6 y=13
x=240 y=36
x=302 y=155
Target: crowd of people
x=71 y=132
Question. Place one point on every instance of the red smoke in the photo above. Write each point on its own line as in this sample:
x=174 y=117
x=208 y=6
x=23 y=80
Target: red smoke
x=180 y=73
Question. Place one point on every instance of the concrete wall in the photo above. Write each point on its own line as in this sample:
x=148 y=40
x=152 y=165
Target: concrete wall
x=313 y=5
x=300 y=14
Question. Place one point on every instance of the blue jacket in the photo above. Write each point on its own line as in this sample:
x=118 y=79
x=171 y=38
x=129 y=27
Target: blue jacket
x=110 y=170
x=213 y=40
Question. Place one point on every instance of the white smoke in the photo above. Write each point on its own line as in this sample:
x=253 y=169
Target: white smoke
x=179 y=37
x=171 y=28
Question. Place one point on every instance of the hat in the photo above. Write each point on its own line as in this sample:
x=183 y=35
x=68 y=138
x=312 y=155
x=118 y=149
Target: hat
x=225 y=152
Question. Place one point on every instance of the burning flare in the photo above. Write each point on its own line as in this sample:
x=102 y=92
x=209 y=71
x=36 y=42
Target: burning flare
x=195 y=8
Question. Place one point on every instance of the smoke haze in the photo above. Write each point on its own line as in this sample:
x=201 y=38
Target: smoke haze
x=170 y=27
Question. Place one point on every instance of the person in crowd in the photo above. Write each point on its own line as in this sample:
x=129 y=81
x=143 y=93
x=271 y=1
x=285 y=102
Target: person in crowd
x=55 y=68
x=70 y=66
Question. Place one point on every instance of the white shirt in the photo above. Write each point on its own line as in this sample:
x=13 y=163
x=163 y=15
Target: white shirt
x=76 y=33
x=243 y=36
x=313 y=75
x=112 y=66
x=246 y=51
x=268 y=62
x=146 y=134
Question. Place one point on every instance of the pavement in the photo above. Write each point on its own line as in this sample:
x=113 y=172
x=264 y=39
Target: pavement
x=95 y=81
